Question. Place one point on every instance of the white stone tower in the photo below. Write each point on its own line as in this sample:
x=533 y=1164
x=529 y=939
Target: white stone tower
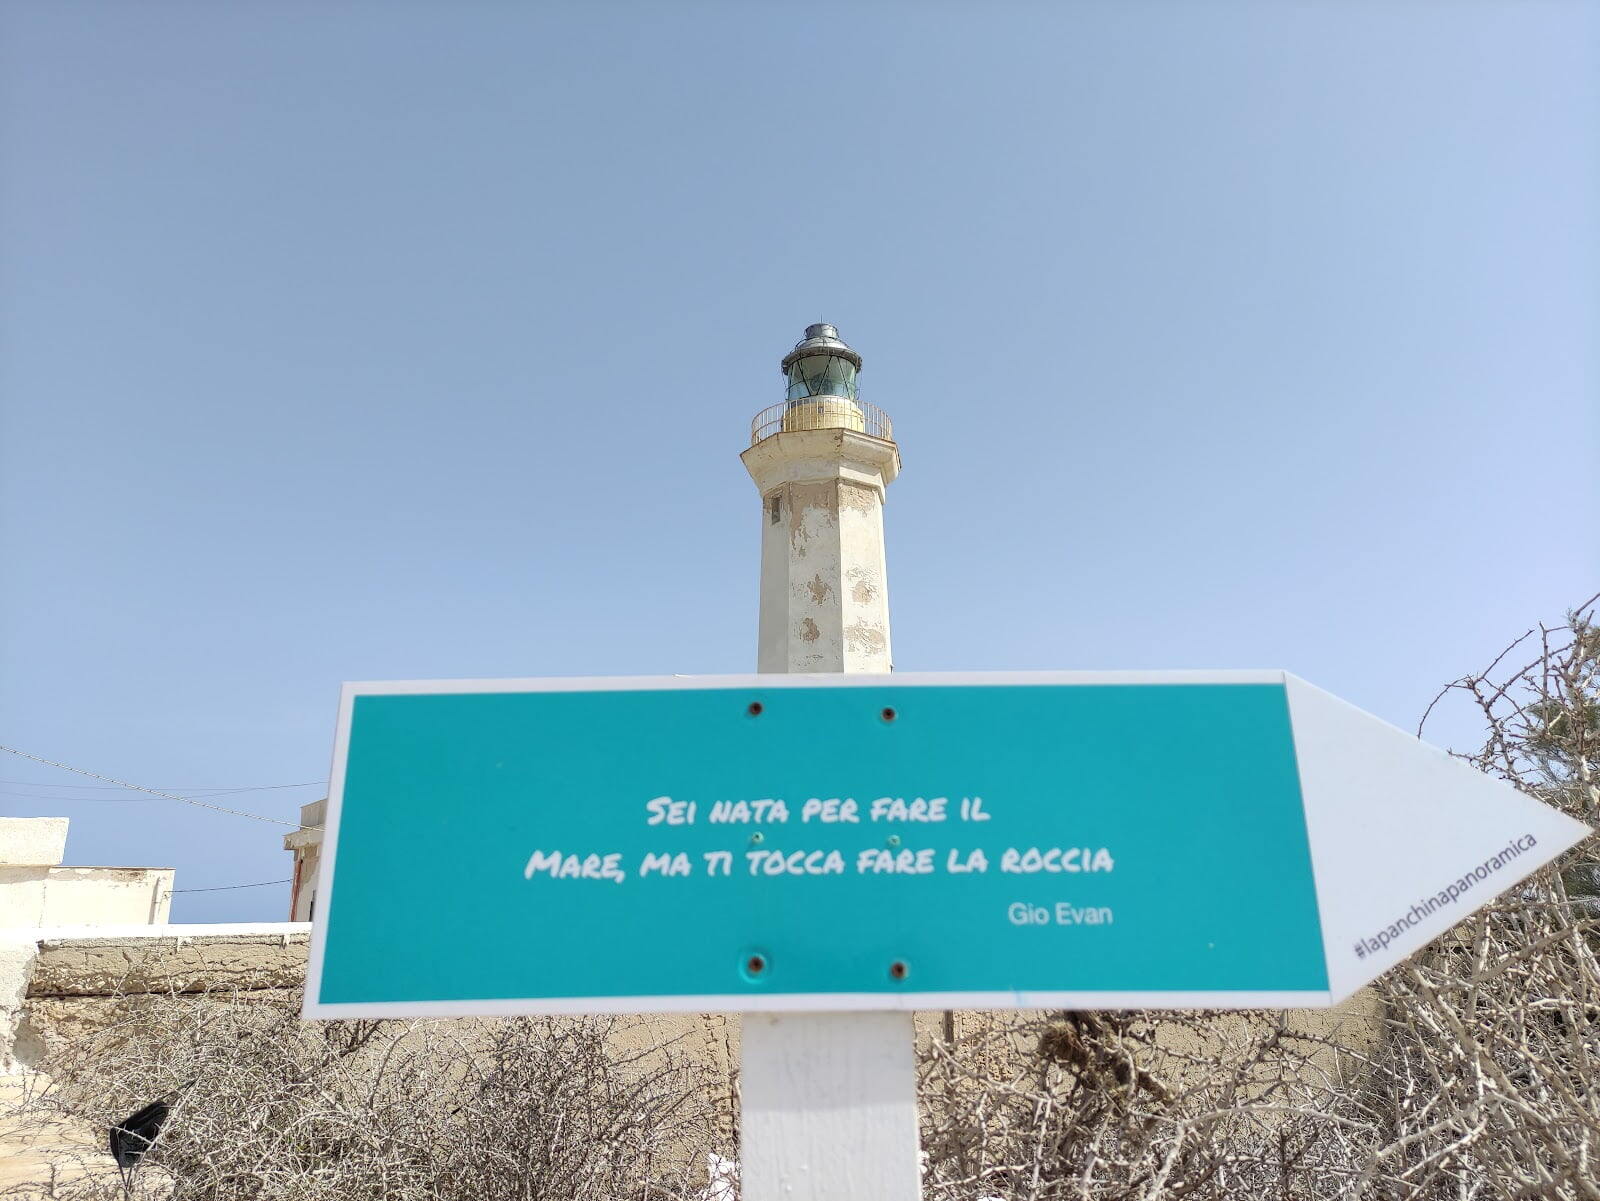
x=827 y=1100
x=821 y=461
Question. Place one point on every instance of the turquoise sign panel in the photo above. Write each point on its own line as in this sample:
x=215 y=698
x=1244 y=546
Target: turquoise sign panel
x=762 y=846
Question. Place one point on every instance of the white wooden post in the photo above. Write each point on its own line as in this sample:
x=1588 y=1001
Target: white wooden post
x=828 y=1101
x=829 y=1108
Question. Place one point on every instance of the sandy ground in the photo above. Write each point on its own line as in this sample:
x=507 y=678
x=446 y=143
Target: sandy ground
x=46 y=1155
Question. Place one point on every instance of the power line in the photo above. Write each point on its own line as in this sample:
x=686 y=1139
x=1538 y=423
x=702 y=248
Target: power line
x=201 y=789
x=64 y=798
x=78 y=800
x=171 y=796
x=226 y=887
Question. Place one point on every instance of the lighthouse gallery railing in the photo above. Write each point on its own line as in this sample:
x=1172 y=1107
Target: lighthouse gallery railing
x=821 y=413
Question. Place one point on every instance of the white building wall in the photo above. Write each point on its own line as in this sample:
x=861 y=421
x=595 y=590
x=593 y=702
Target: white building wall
x=35 y=891
x=306 y=846
x=33 y=841
x=22 y=895
x=107 y=896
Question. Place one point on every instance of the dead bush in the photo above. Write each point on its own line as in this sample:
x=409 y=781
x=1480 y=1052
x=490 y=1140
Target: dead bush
x=1121 y=1106
x=265 y=1107
x=1472 y=1076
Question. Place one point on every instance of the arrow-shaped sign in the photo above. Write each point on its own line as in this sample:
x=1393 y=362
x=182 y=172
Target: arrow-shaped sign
x=1062 y=840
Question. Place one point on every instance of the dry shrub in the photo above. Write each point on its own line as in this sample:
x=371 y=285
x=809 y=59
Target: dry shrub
x=1492 y=1077
x=1477 y=1077
x=266 y=1107
x=1123 y=1105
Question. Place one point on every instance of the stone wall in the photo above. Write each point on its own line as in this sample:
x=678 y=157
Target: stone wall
x=56 y=983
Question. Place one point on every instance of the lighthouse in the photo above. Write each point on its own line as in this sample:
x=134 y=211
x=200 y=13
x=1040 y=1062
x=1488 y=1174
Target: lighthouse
x=822 y=460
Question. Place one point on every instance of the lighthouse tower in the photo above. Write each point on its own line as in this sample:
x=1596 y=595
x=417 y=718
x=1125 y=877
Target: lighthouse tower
x=827 y=1100
x=821 y=461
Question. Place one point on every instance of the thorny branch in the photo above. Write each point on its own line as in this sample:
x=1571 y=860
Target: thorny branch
x=1471 y=1071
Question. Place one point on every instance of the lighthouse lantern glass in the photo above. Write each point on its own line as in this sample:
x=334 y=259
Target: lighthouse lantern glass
x=822 y=375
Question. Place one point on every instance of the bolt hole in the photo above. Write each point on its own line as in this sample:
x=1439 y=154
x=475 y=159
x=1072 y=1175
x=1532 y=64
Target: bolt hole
x=755 y=709
x=755 y=965
x=758 y=836
x=894 y=840
x=889 y=714
x=898 y=970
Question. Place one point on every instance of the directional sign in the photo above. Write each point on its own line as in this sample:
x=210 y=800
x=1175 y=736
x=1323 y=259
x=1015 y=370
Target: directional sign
x=1071 y=840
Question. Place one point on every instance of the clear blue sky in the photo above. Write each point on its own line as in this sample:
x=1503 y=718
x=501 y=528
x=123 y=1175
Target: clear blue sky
x=365 y=341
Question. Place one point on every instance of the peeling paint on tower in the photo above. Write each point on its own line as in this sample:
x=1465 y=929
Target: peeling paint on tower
x=829 y=458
